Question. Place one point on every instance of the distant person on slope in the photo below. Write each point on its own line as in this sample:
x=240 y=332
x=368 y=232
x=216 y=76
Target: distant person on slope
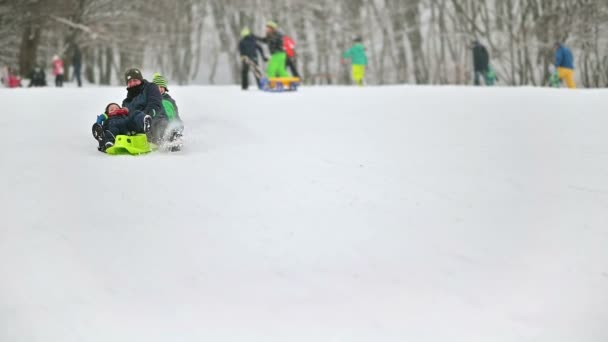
x=276 y=46
x=37 y=78
x=169 y=128
x=290 y=50
x=481 y=62
x=10 y=78
x=564 y=62
x=58 y=71
x=77 y=65
x=249 y=49
x=358 y=57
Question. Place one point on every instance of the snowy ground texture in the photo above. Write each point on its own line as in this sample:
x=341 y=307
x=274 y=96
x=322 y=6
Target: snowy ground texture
x=333 y=214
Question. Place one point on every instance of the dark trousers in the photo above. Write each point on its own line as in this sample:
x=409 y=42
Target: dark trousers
x=245 y=75
x=59 y=80
x=480 y=74
x=136 y=122
x=116 y=126
x=291 y=64
x=77 y=75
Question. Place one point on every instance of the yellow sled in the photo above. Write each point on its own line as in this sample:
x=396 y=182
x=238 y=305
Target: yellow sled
x=283 y=83
x=130 y=144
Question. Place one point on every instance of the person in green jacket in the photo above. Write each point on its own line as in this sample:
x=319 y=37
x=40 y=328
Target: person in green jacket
x=276 y=46
x=172 y=128
x=358 y=57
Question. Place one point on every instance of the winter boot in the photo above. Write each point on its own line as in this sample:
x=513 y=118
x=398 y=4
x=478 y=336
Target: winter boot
x=147 y=123
x=107 y=142
x=98 y=132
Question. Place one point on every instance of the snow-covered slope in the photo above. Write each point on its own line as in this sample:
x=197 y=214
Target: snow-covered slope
x=333 y=214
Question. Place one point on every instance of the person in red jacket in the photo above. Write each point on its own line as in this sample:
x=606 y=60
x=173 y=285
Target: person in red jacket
x=14 y=81
x=290 y=49
x=58 y=71
x=10 y=79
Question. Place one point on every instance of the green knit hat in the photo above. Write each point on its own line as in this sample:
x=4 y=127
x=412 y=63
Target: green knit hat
x=160 y=81
x=246 y=31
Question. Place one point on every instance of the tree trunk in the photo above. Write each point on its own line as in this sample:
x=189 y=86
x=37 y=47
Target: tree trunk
x=28 y=52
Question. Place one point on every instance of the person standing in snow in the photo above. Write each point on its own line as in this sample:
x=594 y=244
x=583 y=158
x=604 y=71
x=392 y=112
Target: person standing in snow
x=249 y=49
x=481 y=62
x=58 y=71
x=358 y=57
x=290 y=50
x=564 y=62
x=77 y=64
x=276 y=46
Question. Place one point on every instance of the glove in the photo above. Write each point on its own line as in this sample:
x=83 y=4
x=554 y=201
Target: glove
x=101 y=118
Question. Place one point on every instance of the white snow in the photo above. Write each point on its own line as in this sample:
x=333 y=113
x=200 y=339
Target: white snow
x=333 y=214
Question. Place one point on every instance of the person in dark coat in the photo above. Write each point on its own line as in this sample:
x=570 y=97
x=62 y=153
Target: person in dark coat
x=481 y=61
x=143 y=100
x=77 y=64
x=37 y=78
x=249 y=48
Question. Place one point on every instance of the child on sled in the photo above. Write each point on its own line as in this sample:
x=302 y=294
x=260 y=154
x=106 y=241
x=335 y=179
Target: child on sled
x=109 y=125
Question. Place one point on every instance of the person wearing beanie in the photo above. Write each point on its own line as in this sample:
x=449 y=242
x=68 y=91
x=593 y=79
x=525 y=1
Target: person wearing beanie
x=249 y=49
x=276 y=46
x=358 y=57
x=144 y=102
x=170 y=127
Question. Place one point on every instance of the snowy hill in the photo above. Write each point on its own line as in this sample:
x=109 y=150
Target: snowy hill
x=334 y=214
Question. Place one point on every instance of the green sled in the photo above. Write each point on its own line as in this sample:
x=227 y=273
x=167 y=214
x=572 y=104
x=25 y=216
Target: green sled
x=130 y=145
